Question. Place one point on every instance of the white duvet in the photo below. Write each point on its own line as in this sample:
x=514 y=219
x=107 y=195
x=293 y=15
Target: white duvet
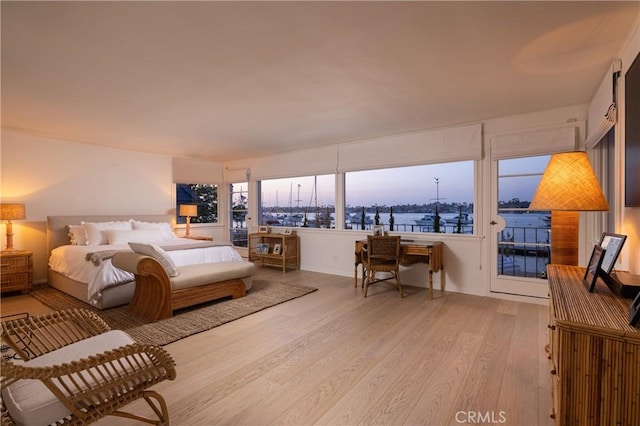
x=71 y=262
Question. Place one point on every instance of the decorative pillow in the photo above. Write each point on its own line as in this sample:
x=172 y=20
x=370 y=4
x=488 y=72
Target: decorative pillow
x=163 y=227
x=77 y=235
x=124 y=236
x=158 y=254
x=96 y=234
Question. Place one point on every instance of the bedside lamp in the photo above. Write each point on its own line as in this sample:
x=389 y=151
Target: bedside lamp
x=188 y=210
x=11 y=212
x=568 y=186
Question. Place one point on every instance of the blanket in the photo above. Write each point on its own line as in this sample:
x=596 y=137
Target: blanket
x=97 y=257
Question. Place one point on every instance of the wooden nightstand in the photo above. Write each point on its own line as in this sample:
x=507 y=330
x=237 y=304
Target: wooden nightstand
x=199 y=237
x=17 y=271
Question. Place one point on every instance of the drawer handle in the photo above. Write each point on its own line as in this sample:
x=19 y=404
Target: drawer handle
x=554 y=372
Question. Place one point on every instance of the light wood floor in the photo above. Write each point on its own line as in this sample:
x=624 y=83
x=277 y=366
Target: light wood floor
x=336 y=358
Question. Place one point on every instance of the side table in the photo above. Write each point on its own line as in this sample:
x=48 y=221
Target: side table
x=17 y=271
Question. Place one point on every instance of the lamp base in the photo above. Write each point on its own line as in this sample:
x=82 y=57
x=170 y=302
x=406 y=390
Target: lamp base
x=564 y=237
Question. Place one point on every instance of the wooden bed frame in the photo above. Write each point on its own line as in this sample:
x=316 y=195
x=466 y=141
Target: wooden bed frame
x=57 y=236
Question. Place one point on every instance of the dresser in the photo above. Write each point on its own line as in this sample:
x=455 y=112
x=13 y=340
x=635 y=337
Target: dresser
x=594 y=353
x=279 y=250
x=17 y=271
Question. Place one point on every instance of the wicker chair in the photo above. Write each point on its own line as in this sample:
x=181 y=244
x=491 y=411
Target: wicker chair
x=83 y=371
x=382 y=254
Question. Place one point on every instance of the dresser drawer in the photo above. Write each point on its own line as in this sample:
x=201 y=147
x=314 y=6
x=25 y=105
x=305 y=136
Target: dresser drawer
x=18 y=281
x=15 y=264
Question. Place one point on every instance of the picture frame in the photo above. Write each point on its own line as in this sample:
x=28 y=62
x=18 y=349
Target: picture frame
x=634 y=311
x=277 y=249
x=612 y=243
x=593 y=268
x=287 y=231
x=378 y=230
x=262 y=248
x=263 y=229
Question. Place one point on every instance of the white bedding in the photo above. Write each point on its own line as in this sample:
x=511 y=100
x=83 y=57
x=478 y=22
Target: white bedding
x=70 y=261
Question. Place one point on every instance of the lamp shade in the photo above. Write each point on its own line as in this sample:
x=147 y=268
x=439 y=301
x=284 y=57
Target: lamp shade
x=12 y=212
x=569 y=184
x=190 y=210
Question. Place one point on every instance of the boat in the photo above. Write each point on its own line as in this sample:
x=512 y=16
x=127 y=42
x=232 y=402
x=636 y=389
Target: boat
x=356 y=218
x=428 y=220
x=463 y=218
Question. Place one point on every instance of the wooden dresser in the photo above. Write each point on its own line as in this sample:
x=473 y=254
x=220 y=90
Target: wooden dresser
x=594 y=353
x=17 y=271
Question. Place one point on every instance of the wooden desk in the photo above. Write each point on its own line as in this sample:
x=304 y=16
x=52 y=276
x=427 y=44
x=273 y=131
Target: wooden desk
x=410 y=253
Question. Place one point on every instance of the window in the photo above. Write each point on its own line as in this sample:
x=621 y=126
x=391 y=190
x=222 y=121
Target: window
x=239 y=203
x=205 y=196
x=307 y=201
x=523 y=245
x=428 y=198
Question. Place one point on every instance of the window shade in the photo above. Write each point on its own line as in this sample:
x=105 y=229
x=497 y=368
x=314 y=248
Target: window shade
x=602 y=114
x=306 y=162
x=428 y=147
x=536 y=142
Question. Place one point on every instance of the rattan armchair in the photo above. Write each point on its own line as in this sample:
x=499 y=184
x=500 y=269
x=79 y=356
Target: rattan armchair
x=382 y=254
x=84 y=389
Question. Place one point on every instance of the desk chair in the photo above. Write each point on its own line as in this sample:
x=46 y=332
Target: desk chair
x=382 y=254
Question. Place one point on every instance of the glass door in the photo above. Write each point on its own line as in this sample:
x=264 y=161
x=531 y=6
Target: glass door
x=519 y=237
x=238 y=229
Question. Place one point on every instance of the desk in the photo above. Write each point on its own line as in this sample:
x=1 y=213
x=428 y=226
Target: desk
x=410 y=253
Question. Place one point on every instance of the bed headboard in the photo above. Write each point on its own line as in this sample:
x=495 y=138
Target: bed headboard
x=57 y=225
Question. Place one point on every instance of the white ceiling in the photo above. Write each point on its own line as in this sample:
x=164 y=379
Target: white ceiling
x=231 y=80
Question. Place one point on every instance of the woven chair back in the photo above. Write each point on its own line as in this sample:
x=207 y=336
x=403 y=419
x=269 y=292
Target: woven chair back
x=383 y=249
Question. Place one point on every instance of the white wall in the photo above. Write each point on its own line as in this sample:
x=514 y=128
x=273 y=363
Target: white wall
x=56 y=177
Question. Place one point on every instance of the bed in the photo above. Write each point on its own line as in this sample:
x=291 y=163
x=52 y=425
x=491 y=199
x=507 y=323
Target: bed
x=83 y=269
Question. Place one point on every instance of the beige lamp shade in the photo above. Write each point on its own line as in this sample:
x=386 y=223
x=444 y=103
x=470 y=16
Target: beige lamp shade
x=569 y=184
x=567 y=187
x=189 y=210
x=12 y=212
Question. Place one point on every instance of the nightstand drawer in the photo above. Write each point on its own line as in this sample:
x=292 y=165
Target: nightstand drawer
x=15 y=264
x=18 y=281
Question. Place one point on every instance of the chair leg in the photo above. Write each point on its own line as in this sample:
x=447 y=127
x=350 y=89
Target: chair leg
x=398 y=283
x=368 y=279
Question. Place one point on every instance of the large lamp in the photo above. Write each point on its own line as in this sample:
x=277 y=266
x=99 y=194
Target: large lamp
x=568 y=186
x=188 y=210
x=11 y=212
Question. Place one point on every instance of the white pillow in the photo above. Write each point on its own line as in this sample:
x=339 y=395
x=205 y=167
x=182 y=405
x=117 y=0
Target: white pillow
x=96 y=234
x=158 y=254
x=77 y=235
x=163 y=227
x=124 y=236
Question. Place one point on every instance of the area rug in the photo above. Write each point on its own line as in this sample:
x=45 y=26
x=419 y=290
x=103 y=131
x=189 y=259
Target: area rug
x=185 y=322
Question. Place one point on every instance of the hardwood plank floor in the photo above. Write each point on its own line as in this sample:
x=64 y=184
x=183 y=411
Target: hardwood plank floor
x=335 y=358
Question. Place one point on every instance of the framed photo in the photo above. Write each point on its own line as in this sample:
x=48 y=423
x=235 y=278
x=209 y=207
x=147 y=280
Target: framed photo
x=378 y=230
x=593 y=268
x=263 y=229
x=288 y=231
x=277 y=249
x=612 y=243
x=634 y=311
x=262 y=248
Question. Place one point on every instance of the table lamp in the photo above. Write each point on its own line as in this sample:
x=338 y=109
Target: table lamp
x=568 y=186
x=11 y=212
x=188 y=210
